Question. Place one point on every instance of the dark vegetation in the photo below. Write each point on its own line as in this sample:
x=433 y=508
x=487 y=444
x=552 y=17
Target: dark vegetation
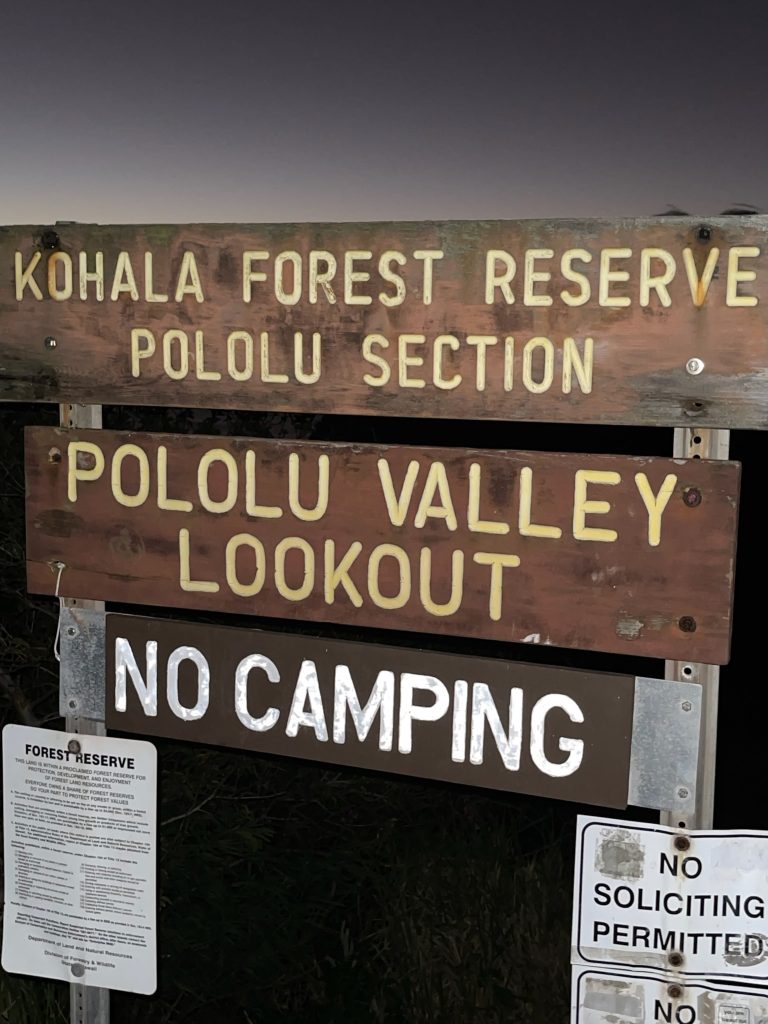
x=288 y=892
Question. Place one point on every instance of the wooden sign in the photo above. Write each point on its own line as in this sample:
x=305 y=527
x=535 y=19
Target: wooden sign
x=600 y=552
x=656 y=321
x=527 y=728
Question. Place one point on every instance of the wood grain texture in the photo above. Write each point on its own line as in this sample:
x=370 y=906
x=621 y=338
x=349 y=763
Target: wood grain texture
x=604 y=700
x=640 y=350
x=669 y=600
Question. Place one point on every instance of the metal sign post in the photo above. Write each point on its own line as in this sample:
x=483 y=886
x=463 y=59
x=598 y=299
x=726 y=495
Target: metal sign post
x=81 y=698
x=699 y=444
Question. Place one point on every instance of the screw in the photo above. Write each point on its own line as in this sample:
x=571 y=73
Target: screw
x=675 y=959
x=705 y=234
x=50 y=342
x=73 y=704
x=682 y=843
x=73 y=746
x=687 y=624
x=692 y=497
x=683 y=793
x=71 y=630
x=78 y=970
x=50 y=240
x=694 y=366
x=54 y=455
x=686 y=705
x=674 y=991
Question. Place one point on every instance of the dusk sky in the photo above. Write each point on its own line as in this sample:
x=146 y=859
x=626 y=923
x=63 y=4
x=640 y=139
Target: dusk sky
x=224 y=111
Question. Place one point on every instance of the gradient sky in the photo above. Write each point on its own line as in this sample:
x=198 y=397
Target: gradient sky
x=233 y=111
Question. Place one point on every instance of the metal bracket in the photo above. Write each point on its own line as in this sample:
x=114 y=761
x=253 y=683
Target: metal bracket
x=83 y=659
x=665 y=745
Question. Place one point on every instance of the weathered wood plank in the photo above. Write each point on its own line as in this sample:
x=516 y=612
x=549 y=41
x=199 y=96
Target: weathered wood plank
x=406 y=319
x=588 y=551
x=567 y=734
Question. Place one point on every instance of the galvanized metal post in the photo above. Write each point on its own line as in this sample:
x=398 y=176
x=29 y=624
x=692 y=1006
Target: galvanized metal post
x=87 y=1005
x=700 y=444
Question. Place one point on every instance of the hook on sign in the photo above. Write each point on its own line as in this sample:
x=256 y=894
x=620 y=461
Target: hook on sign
x=60 y=566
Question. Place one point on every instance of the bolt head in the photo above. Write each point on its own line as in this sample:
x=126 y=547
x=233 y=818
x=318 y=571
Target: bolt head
x=675 y=959
x=683 y=793
x=692 y=497
x=686 y=624
x=686 y=705
x=694 y=366
x=78 y=970
x=50 y=342
x=73 y=747
x=674 y=991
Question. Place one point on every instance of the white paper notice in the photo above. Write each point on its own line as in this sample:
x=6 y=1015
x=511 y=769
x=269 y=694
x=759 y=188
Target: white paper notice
x=80 y=824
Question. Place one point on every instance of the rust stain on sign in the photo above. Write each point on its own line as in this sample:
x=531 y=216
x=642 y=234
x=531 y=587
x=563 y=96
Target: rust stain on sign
x=588 y=551
x=527 y=728
x=630 y=321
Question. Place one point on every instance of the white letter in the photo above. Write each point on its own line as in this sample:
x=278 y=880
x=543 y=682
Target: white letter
x=575 y=748
x=410 y=712
x=147 y=692
x=203 y=684
x=382 y=698
x=307 y=687
x=270 y=717
x=484 y=710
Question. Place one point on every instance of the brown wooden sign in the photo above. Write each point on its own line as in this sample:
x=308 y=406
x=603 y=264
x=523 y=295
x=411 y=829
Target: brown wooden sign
x=598 y=552
x=527 y=728
x=656 y=321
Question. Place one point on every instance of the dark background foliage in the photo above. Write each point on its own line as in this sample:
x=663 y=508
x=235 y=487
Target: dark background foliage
x=288 y=892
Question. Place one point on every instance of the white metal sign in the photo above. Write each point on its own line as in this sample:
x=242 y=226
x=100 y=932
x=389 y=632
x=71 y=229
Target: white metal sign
x=603 y=997
x=656 y=898
x=80 y=852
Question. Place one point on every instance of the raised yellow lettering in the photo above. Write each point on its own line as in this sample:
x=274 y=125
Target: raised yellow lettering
x=437 y=481
x=736 y=275
x=655 y=503
x=526 y=527
x=582 y=507
x=474 y=522
x=76 y=471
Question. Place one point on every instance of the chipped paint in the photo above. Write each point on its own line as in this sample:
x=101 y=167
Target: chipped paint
x=620 y=854
x=629 y=628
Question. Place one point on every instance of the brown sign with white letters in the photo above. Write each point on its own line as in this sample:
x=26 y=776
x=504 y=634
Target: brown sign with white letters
x=656 y=321
x=527 y=728
x=600 y=552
